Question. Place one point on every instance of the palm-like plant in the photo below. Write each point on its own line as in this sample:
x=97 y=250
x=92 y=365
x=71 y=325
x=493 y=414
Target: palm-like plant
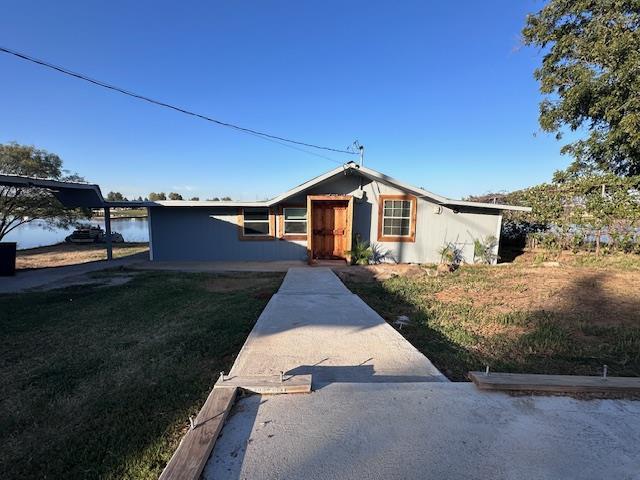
x=361 y=253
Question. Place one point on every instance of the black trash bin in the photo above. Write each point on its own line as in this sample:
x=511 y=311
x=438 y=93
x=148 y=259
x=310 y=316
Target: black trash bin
x=7 y=259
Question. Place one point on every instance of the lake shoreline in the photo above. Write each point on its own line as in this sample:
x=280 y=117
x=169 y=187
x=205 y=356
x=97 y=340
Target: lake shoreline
x=38 y=234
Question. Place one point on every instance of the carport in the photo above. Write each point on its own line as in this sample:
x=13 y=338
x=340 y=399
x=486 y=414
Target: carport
x=75 y=195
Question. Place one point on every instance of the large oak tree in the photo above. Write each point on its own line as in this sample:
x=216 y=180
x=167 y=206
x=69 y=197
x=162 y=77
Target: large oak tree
x=590 y=75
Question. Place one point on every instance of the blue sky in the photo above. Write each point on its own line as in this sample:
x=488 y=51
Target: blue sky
x=440 y=93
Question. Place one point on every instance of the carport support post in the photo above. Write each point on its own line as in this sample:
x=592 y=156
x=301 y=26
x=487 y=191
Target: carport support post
x=107 y=227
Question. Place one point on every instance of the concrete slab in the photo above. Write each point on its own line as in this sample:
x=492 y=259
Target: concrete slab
x=426 y=431
x=60 y=277
x=315 y=325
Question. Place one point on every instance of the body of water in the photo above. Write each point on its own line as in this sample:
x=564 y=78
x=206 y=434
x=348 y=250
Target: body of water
x=34 y=234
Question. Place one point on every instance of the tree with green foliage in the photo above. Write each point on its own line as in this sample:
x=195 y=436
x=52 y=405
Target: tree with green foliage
x=590 y=75
x=22 y=205
x=154 y=197
x=175 y=196
x=115 y=197
x=195 y=199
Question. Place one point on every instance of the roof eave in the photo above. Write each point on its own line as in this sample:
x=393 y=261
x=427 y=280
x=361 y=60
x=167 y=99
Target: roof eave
x=492 y=206
x=207 y=203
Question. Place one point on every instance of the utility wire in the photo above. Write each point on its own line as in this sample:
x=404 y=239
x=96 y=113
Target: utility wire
x=100 y=83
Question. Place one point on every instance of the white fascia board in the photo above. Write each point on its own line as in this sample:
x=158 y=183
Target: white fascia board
x=208 y=203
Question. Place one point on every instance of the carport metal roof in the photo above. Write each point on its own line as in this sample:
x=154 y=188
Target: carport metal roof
x=70 y=194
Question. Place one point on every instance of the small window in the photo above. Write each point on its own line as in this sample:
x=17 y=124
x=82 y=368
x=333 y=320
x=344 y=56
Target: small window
x=295 y=221
x=256 y=222
x=396 y=218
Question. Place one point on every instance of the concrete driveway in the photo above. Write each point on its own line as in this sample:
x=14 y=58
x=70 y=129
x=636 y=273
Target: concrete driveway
x=381 y=410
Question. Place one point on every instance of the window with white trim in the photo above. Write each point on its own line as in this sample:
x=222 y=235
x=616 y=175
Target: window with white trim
x=255 y=222
x=396 y=218
x=295 y=220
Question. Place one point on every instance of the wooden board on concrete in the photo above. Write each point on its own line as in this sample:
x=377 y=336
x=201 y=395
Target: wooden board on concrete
x=268 y=384
x=194 y=449
x=555 y=383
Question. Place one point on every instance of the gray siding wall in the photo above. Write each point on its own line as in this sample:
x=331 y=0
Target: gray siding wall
x=208 y=234
x=203 y=233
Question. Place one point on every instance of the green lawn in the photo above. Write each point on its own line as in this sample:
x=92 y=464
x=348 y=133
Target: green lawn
x=571 y=319
x=100 y=382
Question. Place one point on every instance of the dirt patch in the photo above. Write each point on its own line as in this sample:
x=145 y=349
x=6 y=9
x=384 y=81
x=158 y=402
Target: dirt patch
x=234 y=284
x=88 y=280
x=378 y=273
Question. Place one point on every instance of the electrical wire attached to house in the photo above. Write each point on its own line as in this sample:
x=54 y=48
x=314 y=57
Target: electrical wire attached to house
x=265 y=136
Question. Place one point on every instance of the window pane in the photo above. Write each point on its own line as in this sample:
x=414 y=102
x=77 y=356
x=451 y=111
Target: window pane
x=256 y=228
x=396 y=220
x=295 y=227
x=256 y=214
x=295 y=213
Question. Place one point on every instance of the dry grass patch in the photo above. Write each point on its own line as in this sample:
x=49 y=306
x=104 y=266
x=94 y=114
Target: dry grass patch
x=519 y=318
x=72 y=254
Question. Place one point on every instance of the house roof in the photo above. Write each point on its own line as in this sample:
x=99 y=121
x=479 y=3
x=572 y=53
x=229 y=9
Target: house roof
x=75 y=194
x=348 y=168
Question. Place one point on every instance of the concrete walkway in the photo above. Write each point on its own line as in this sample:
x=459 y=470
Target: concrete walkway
x=314 y=324
x=58 y=277
x=379 y=410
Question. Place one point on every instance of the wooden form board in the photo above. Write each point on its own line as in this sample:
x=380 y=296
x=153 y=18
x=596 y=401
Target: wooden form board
x=555 y=383
x=193 y=452
x=268 y=385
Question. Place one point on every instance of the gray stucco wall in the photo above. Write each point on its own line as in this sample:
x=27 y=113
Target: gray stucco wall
x=206 y=233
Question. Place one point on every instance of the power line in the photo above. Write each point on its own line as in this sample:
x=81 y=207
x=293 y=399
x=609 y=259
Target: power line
x=100 y=83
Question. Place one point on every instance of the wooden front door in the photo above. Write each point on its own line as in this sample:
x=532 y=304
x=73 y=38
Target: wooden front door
x=330 y=229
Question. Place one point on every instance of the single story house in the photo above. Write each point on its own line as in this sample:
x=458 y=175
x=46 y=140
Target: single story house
x=319 y=220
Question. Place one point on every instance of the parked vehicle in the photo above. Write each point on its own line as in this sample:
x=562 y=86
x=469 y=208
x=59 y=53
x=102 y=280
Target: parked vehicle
x=92 y=234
